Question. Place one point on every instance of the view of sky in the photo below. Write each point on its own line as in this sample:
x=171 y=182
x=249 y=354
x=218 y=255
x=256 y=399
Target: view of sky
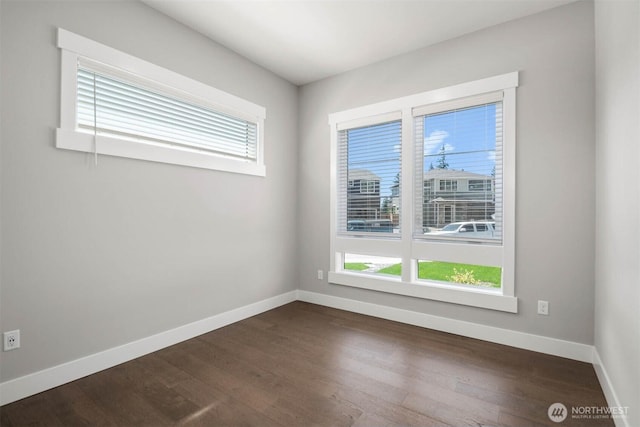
x=467 y=137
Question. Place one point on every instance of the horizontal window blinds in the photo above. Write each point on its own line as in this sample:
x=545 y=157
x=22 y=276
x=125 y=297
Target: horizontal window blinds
x=111 y=105
x=369 y=162
x=459 y=173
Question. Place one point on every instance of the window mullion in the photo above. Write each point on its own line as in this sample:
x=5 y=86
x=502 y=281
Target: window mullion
x=509 y=190
x=409 y=266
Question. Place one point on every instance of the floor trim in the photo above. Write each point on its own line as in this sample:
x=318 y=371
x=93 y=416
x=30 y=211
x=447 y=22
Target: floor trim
x=37 y=382
x=607 y=388
x=553 y=346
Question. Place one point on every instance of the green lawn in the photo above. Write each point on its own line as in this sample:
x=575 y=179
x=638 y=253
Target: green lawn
x=395 y=270
x=436 y=270
x=357 y=266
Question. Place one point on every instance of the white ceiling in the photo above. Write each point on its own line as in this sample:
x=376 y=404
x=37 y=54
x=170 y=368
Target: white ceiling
x=304 y=41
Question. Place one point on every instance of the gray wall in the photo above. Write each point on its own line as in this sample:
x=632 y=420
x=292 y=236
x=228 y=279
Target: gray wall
x=617 y=314
x=95 y=257
x=554 y=51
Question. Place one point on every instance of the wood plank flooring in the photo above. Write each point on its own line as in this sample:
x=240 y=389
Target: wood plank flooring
x=307 y=365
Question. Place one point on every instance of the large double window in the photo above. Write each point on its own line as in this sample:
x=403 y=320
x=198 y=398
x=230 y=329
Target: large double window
x=423 y=195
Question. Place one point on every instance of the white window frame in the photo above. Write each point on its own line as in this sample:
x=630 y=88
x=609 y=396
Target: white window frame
x=75 y=47
x=408 y=248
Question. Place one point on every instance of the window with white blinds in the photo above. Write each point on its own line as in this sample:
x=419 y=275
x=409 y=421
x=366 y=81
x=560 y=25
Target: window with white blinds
x=423 y=195
x=111 y=105
x=369 y=178
x=115 y=104
x=458 y=188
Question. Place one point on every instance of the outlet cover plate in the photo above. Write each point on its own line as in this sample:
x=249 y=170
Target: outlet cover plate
x=11 y=340
x=543 y=307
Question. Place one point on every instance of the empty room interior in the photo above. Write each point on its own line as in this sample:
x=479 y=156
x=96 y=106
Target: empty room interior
x=328 y=213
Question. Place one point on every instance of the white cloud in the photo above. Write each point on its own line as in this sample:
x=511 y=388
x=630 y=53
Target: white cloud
x=434 y=142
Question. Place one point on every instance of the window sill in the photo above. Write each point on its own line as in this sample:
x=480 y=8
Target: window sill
x=483 y=298
x=79 y=141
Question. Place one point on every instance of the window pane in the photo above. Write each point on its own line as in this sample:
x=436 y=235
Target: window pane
x=373 y=264
x=459 y=179
x=369 y=179
x=462 y=274
x=118 y=108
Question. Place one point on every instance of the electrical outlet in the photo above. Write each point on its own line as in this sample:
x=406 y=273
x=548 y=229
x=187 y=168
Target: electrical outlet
x=320 y=275
x=543 y=307
x=11 y=340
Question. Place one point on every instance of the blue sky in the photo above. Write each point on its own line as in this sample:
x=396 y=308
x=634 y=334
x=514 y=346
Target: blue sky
x=468 y=137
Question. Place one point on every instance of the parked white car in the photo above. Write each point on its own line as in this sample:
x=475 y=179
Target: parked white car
x=478 y=229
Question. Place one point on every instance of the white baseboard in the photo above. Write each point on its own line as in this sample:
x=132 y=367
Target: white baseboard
x=28 y=385
x=607 y=388
x=553 y=346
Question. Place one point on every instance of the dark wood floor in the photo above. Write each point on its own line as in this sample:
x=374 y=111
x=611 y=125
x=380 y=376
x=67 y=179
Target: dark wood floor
x=307 y=365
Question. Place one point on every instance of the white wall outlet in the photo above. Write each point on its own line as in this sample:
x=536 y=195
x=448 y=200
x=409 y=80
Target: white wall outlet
x=543 y=307
x=320 y=275
x=11 y=340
